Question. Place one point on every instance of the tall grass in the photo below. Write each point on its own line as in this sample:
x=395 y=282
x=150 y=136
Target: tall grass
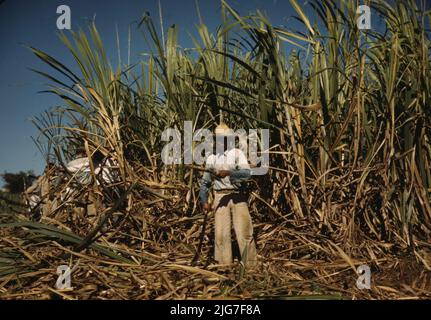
x=348 y=111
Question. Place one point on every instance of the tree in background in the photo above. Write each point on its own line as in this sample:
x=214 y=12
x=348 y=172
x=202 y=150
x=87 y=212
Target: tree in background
x=16 y=183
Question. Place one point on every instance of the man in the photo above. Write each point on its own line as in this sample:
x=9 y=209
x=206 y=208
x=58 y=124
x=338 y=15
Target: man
x=79 y=167
x=80 y=171
x=106 y=173
x=229 y=168
x=105 y=169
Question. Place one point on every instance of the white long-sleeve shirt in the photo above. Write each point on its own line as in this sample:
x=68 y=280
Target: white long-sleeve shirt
x=232 y=160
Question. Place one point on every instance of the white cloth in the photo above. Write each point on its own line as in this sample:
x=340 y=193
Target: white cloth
x=80 y=170
x=229 y=160
x=79 y=164
x=106 y=172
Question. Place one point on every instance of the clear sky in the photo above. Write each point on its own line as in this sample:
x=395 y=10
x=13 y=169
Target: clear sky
x=33 y=22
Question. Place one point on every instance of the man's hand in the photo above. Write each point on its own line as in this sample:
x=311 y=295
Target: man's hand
x=223 y=173
x=206 y=207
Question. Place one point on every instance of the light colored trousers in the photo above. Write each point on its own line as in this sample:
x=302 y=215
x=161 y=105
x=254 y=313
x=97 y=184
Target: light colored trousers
x=233 y=207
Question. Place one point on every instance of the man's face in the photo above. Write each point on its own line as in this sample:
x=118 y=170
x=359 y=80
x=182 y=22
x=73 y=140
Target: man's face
x=223 y=143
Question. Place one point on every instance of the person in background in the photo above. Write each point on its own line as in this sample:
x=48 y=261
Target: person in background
x=39 y=195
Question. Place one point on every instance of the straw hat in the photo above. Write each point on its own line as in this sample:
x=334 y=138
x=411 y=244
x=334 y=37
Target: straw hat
x=223 y=130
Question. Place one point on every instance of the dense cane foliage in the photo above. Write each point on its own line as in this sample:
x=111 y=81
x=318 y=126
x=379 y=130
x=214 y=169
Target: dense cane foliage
x=350 y=153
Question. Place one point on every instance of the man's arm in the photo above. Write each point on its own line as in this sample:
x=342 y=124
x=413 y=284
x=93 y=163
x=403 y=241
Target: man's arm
x=205 y=186
x=242 y=171
x=240 y=175
x=206 y=182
